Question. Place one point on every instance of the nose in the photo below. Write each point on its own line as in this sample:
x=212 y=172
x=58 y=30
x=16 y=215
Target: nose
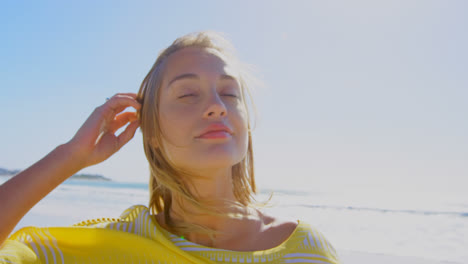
x=216 y=108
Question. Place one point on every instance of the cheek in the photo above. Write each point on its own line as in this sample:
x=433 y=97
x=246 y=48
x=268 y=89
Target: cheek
x=241 y=123
x=173 y=122
x=241 y=115
x=179 y=125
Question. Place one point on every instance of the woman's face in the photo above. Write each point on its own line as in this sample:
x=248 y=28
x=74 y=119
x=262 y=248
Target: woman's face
x=199 y=88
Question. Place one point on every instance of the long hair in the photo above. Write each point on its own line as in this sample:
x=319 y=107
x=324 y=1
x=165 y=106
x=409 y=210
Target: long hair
x=167 y=180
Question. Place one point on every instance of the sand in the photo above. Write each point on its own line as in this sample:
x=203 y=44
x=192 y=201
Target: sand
x=354 y=257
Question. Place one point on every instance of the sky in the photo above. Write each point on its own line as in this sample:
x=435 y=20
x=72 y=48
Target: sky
x=357 y=94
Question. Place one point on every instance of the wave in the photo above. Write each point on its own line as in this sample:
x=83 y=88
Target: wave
x=283 y=198
x=381 y=210
x=112 y=185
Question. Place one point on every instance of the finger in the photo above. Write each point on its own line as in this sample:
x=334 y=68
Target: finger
x=103 y=116
x=93 y=126
x=130 y=95
x=133 y=95
x=122 y=96
x=107 y=112
x=118 y=103
x=127 y=134
x=121 y=120
x=120 y=109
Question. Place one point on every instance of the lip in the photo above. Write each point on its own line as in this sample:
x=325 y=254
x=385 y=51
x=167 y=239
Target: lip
x=216 y=130
x=215 y=134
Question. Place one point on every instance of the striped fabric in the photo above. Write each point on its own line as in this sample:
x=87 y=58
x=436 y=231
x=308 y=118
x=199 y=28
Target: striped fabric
x=136 y=237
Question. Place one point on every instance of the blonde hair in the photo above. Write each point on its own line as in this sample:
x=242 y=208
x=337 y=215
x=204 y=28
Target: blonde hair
x=165 y=178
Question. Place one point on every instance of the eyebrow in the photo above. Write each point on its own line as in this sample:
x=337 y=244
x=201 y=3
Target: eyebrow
x=196 y=77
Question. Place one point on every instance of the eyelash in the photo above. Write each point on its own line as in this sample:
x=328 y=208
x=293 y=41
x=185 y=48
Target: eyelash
x=232 y=95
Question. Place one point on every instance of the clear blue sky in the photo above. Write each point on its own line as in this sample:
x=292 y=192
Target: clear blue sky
x=357 y=93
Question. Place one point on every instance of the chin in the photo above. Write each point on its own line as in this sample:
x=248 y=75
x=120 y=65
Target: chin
x=217 y=162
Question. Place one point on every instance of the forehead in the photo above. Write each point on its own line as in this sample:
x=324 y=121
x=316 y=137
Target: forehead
x=200 y=61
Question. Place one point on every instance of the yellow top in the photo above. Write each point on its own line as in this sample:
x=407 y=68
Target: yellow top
x=136 y=237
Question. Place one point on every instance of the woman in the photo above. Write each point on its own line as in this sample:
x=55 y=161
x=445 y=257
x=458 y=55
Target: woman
x=193 y=113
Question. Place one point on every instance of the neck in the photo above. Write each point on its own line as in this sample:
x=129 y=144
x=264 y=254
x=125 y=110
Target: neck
x=216 y=191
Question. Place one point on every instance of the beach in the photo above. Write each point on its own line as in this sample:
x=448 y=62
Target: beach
x=430 y=229
x=365 y=257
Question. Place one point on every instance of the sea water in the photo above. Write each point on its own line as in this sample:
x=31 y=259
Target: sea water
x=432 y=225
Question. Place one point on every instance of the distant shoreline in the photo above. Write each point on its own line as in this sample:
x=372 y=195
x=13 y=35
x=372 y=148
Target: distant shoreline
x=81 y=176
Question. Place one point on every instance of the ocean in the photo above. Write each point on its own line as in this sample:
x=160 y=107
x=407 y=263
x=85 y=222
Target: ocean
x=430 y=225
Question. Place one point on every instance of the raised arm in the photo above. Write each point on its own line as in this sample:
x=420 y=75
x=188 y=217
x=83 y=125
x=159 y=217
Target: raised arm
x=94 y=142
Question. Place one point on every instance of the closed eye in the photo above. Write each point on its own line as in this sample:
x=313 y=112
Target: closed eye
x=187 y=95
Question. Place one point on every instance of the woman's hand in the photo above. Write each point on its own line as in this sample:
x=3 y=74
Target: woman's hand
x=96 y=141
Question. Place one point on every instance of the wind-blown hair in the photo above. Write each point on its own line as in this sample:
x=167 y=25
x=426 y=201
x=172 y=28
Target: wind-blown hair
x=166 y=180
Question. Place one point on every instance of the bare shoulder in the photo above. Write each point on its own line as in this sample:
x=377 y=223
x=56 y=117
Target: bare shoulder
x=279 y=222
x=277 y=230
